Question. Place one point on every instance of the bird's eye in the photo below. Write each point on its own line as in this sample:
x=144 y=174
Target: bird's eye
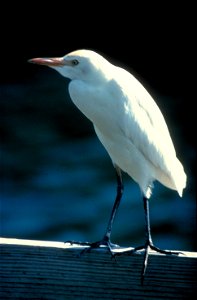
x=75 y=62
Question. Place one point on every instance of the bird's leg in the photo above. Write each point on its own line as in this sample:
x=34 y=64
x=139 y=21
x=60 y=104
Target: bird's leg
x=148 y=244
x=106 y=239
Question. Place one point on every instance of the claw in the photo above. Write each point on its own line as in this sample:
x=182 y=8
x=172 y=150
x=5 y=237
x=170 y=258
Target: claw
x=100 y=244
x=146 y=249
x=103 y=243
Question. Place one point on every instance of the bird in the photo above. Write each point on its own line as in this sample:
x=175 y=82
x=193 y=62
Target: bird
x=130 y=126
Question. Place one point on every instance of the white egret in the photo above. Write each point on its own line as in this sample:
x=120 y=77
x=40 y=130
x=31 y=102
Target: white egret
x=128 y=123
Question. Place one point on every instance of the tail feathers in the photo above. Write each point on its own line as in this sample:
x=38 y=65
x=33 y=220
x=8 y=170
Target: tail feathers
x=173 y=177
x=179 y=178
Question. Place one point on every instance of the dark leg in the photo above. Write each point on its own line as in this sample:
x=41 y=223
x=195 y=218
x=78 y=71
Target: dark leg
x=106 y=239
x=116 y=205
x=149 y=244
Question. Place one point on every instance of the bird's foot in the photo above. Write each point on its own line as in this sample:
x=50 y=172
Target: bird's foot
x=146 y=248
x=149 y=245
x=105 y=242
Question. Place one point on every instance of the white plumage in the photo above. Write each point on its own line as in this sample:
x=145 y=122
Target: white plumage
x=130 y=126
x=126 y=119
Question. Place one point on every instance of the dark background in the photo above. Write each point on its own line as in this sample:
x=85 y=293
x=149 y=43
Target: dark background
x=57 y=181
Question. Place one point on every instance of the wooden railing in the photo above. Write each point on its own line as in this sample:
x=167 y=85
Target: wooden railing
x=53 y=270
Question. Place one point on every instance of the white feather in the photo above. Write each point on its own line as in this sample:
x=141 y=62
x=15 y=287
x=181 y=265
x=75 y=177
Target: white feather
x=126 y=119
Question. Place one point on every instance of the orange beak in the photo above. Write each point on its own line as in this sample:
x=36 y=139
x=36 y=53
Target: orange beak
x=49 y=61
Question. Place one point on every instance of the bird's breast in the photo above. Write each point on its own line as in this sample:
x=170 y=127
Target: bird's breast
x=98 y=103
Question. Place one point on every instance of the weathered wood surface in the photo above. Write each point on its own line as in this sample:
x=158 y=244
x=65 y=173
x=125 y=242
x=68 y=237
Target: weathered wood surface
x=50 y=270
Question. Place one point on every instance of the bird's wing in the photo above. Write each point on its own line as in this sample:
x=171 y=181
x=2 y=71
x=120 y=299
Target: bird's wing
x=144 y=123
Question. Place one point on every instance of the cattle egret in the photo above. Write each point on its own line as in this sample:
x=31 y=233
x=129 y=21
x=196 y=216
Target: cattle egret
x=130 y=126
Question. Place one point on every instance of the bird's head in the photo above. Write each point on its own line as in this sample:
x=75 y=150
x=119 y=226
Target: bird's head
x=80 y=64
